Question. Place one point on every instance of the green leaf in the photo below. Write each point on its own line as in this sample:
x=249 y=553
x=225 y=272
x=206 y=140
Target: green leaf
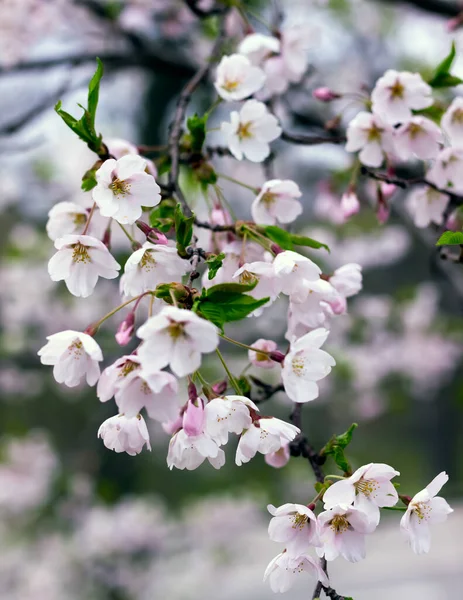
x=183 y=228
x=94 y=92
x=345 y=439
x=287 y=240
x=340 y=459
x=450 y=238
x=336 y=446
x=244 y=384
x=229 y=288
x=446 y=64
x=197 y=128
x=88 y=181
x=214 y=263
x=163 y=216
x=442 y=76
x=433 y=112
x=445 y=80
x=228 y=307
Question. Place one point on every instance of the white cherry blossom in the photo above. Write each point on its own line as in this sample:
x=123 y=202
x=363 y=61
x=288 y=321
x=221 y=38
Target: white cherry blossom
x=125 y=434
x=80 y=260
x=257 y=47
x=342 y=531
x=305 y=364
x=427 y=206
x=425 y=508
x=157 y=393
x=280 y=458
x=250 y=131
x=283 y=571
x=265 y=435
x=368 y=489
x=452 y=121
x=69 y=218
x=261 y=359
x=228 y=414
x=293 y=269
x=397 y=93
x=118 y=148
x=418 y=137
x=347 y=280
x=312 y=305
x=151 y=265
x=74 y=355
x=237 y=78
x=368 y=133
x=123 y=187
x=295 y=525
x=277 y=201
x=295 y=42
x=175 y=337
x=268 y=284
x=447 y=170
x=189 y=452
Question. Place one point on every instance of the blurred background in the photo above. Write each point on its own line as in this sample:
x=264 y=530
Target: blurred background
x=80 y=522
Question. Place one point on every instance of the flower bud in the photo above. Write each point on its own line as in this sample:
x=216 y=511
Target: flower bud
x=193 y=417
x=125 y=330
x=262 y=359
x=382 y=212
x=277 y=356
x=324 y=94
x=350 y=204
x=220 y=388
x=152 y=235
x=387 y=189
x=278 y=459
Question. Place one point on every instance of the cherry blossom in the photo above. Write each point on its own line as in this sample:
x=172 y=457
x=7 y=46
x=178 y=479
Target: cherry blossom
x=368 y=489
x=372 y=136
x=237 y=78
x=293 y=269
x=123 y=187
x=314 y=303
x=189 y=452
x=151 y=265
x=295 y=525
x=418 y=137
x=280 y=458
x=80 y=260
x=262 y=359
x=257 y=47
x=424 y=509
x=452 y=121
x=250 y=131
x=277 y=201
x=228 y=414
x=125 y=434
x=295 y=41
x=305 y=364
x=397 y=93
x=347 y=280
x=350 y=204
x=74 y=355
x=70 y=218
x=175 y=337
x=268 y=285
x=265 y=435
x=447 y=170
x=342 y=532
x=283 y=570
x=118 y=148
x=426 y=206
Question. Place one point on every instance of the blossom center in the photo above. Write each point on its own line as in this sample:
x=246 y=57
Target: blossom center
x=79 y=219
x=414 y=130
x=261 y=357
x=298 y=366
x=375 y=133
x=176 y=330
x=268 y=198
x=339 y=524
x=457 y=116
x=397 y=90
x=422 y=510
x=299 y=521
x=127 y=368
x=244 y=130
x=147 y=261
x=80 y=254
x=367 y=487
x=119 y=187
x=76 y=348
x=230 y=85
x=247 y=278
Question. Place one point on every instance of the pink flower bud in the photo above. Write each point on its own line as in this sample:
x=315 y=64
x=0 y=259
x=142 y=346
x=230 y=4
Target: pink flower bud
x=324 y=94
x=454 y=221
x=454 y=23
x=278 y=459
x=125 y=330
x=152 y=234
x=220 y=387
x=388 y=190
x=262 y=359
x=193 y=417
x=192 y=392
x=277 y=356
x=350 y=204
x=382 y=212
x=275 y=248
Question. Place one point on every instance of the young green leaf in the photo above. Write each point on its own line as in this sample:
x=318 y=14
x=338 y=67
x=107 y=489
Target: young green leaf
x=287 y=240
x=450 y=238
x=442 y=76
x=197 y=128
x=214 y=263
x=94 y=92
x=228 y=307
x=163 y=216
x=229 y=288
x=183 y=228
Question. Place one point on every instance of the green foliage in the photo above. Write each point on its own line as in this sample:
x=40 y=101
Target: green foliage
x=214 y=262
x=227 y=302
x=183 y=229
x=442 y=77
x=287 y=240
x=244 y=385
x=163 y=216
x=433 y=112
x=336 y=446
x=197 y=129
x=450 y=238
x=84 y=127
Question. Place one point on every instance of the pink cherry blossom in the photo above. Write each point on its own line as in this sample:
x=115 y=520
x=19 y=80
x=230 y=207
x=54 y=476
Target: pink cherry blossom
x=427 y=206
x=125 y=434
x=295 y=525
x=418 y=137
x=283 y=571
x=277 y=201
x=265 y=435
x=261 y=359
x=368 y=133
x=237 y=78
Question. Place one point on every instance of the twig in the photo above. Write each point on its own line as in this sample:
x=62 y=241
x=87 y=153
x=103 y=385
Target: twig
x=439 y=7
x=311 y=140
x=203 y=14
x=176 y=125
x=266 y=390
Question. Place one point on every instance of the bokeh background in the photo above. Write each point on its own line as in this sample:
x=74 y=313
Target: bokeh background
x=80 y=522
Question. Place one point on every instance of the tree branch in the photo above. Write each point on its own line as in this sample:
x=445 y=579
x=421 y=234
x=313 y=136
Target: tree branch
x=311 y=140
x=203 y=14
x=438 y=7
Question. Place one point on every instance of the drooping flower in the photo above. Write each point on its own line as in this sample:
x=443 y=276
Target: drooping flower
x=80 y=260
x=74 y=355
x=257 y=47
x=295 y=525
x=426 y=205
x=175 y=337
x=424 y=509
x=151 y=265
x=262 y=359
x=372 y=136
x=283 y=570
x=250 y=131
x=125 y=434
x=347 y=280
x=265 y=435
x=397 y=93
x=368 y=489
x=123 y=187
x=342 y=531
x=189 y=452
x=69 y=218
x=293 y=269
x=280 y=458
x=447 y=170
x=229 y=414
x=237 y=78
x=305 y=364
x=350 y=204
x=418 y=137
x=277 y=201
x=452 y=122
x=313 y=304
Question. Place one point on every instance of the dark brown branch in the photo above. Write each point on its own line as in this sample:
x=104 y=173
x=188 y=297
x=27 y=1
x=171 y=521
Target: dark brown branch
x=175 y=132
x=438 y=7
x=311 y=140
x=215 y=228
x=266 y=391
x=203 y=14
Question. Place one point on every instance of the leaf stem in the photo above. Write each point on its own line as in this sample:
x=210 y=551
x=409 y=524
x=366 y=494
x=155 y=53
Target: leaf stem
x=131 y=238
x=238 y=182
x=92 y=210
x=232 y=379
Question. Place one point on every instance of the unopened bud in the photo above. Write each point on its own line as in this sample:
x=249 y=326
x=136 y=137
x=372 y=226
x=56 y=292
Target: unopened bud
x=152 y=234
x=276 y=249
x=193 y=417
x=125 y=330
x=192 y=392
x=277 y=356
x=220 y=388
x=324 y=94
x=455 y=23
x=107 y=238
x=382 y=212
x=91 y=330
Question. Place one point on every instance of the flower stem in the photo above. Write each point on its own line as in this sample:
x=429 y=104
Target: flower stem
x=92 y=210
x=224 y=337
x=238 y=182
x=232 y=379
x=118 y=308
x=131 y=238
x=333 y=477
